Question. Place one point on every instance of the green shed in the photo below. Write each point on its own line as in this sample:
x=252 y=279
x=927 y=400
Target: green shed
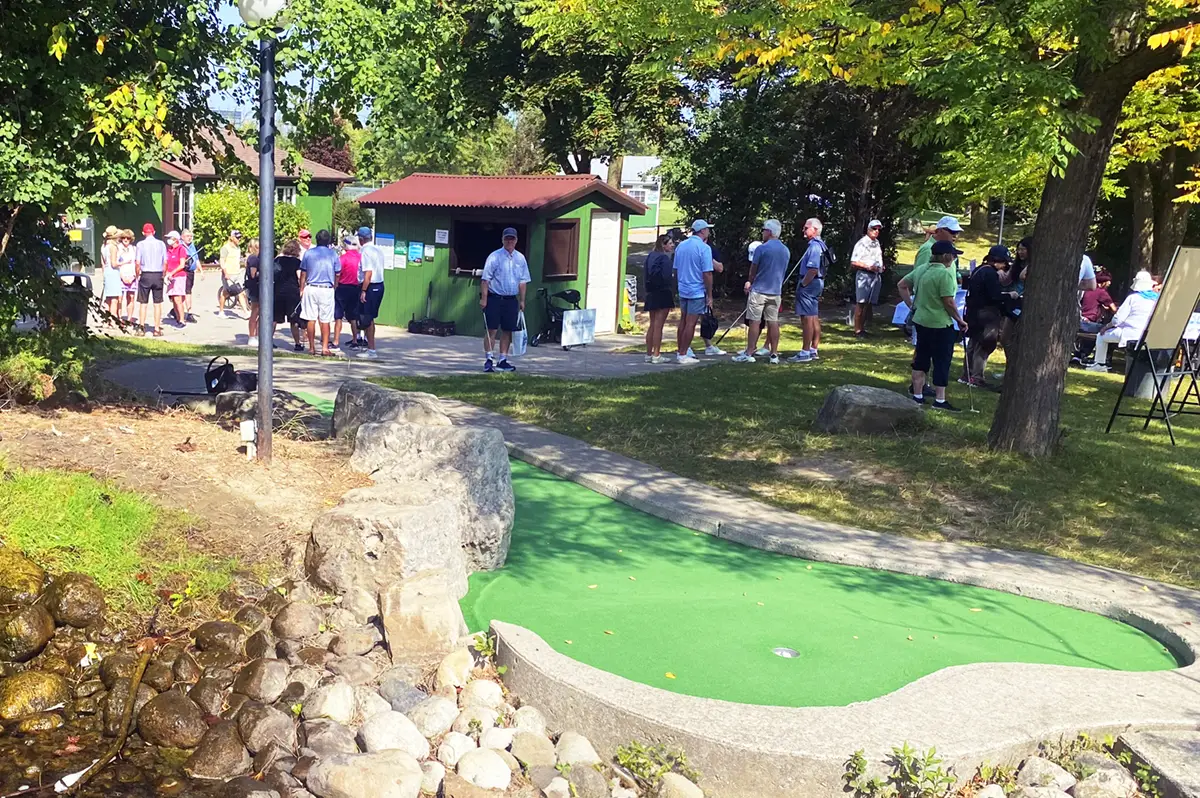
x=441 y=228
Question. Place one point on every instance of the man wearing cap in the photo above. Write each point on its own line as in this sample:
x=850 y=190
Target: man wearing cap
x=151 y=259
x=947 y=231
x=305 y=239
x=808 y=292
x=318 y=275
x=764 y=288
x=193 y=266
x=371 y=293
x=694 y=275
x=230 y=259
x=867 y=263
x=934 y=316
x=502 y=297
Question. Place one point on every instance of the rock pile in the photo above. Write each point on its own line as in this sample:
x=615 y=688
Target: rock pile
x=1102 y=777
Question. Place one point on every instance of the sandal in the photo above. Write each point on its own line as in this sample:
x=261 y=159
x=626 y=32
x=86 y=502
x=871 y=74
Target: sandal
x=158 y=333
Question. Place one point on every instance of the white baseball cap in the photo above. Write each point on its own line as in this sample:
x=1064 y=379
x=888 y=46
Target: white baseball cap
x=949 y=223
x=699 y=225
x=773 y=227
x=874 y=223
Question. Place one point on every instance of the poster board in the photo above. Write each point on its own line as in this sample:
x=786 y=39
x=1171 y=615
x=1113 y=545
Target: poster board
x=579 y=327
x=1177 y=301
x=416 y=251
x=441 y=236
x=386 y=242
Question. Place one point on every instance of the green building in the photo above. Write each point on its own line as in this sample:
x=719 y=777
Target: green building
x=441 y=228
x=166 y=197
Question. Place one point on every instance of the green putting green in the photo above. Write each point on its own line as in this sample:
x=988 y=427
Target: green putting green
x=654 y=602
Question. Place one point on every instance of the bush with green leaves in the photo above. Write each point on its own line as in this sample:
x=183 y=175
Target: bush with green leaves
x=348 y=215
x=230 y=206
x=649 y=763
x=913 y=774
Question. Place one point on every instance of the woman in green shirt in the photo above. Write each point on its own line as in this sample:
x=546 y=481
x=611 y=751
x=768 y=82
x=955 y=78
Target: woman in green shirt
x=934 y=315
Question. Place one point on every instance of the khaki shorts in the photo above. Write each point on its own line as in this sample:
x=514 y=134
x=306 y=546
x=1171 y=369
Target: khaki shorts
x=762 y=307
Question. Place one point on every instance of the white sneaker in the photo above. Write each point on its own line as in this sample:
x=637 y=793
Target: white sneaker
x=762 y=351
x=369 y=354
x=648 y=359
x=714 y=351
x=690 y=353
x=742 y=357
x=684 y=360
x=812 y=353
x=252 y=341
x=774 y=360
x=1102 y=367
x=658 y=359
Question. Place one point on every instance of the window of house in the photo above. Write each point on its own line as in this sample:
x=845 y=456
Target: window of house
x=183 y=206
x=285 y=194
x=638 y=194
x=471 y=242
x=562 y=249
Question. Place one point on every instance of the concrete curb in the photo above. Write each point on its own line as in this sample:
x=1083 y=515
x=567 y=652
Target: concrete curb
x=993 y=712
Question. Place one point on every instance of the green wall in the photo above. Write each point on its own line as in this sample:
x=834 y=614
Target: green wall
x=647 y=219
x=456 y=298
x=144 y=205
x=319 y=204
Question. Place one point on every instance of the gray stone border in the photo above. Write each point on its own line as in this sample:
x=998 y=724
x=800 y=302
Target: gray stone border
x=991 y=712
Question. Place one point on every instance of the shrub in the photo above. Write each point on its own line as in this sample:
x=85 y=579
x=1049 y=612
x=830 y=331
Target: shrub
x=25 y=377
x=230 y=206
x=348 y=215
x=289 y=219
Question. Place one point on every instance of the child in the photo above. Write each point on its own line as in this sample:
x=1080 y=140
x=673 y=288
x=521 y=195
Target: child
x=934 y=315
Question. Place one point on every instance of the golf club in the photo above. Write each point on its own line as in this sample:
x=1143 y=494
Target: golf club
x=967 y=370
x=741 y=315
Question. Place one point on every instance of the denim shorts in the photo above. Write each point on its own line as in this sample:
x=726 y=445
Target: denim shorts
x=692 y=307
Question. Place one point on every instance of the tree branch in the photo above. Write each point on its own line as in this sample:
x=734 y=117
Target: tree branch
x=9 y=224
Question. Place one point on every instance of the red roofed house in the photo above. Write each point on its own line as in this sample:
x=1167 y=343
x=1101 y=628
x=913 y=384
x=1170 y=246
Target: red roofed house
x=571 y=229
x=165 y=197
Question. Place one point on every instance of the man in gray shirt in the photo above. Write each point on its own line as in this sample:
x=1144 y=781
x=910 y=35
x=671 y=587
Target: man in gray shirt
x=768 y=267
x=151 y=258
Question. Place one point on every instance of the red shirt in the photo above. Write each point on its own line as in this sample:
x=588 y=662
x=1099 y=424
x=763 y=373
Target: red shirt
x=350 y=273
x=176 y=260
x=1093 y=303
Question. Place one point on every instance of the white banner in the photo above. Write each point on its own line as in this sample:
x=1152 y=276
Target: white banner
x=579 y=327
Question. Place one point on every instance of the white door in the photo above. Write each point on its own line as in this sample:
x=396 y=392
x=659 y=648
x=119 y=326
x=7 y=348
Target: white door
x=604 y=260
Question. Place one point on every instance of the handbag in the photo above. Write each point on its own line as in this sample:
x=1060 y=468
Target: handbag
x=520 y=337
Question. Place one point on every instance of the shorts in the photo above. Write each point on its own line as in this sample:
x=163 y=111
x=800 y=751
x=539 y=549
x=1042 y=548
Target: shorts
x=191 y=282
x=368 y=310
x=866 y=287
x=692 y=307
x=661 y=299
x=762 y=307
x=252 y=292
x=150 y=283
x=806 y=298
x=345 y=302
x=177 y=286
x=316 y=304
x=287 y=306
x=935 y=348
x=501 y=312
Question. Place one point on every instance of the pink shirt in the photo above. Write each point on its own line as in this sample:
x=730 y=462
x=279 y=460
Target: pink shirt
x=350 y=273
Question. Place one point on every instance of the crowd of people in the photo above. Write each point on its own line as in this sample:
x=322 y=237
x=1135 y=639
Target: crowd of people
x=316 y=287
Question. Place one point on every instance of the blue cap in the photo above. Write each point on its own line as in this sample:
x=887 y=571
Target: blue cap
x=699 y=225
x=364 y=232
x=945 y=248
x=999 y=253
x=949 y=223
x=509 y=232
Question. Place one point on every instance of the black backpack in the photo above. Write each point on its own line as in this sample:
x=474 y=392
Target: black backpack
x=224 y=377
x=658 y=272
x=827 y=259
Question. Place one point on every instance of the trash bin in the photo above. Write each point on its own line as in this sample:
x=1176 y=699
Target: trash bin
x=77 y=295
x=1141 y=379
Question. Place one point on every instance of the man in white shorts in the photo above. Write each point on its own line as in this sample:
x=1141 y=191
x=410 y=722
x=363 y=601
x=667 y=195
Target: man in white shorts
x=318 y=273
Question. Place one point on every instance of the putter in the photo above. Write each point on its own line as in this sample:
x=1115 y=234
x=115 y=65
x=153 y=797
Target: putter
x=967 y=369
x=741 y=315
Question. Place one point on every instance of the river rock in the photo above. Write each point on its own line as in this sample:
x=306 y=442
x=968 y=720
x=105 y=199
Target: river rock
x=233 y=705
x=219 y=636
x=297 y=621
x=117 y=666
x=355 y=670
x=675 y=786
x=991 y=791
x=75 y=600
x=1026 y=791
x=171 y=720
x=434 y=716
x=361 y=603
x=219 y=674
x=30 y=692
x=41 y=722
x=369 y=703
x=484 y=768
x=432 y=775
x=452 y=748
x=260 y=725
x=455 y=669
x=220 y=754
x=355 y=641
x=261 y=645
x=481 y=693
x=21 y=579
x=306 y=675
x=497 y=739
x=421 y=617
x=208 y=695
x=158 y=676
x=533 y=750
x=334 y=701
x=246 y=787
x=262 y=679
x=186 y=669
x=1040 y=772
x=575 y=750
x=588 y=782
x=469 y=464
x=360 y=402
x=252 y=619
x=327 y=737
x=558 y=788
x=867 y=410
x=389 y=730
x=1107 y=783
x=386 y=774
x=529 y=719
x=25 y=633
x=474 y=720
x=402 y=695
x=116 y=701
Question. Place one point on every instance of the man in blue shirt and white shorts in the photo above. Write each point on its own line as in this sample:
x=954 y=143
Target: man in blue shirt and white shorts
x=318 y=274
x=694 y=272
x=768 y=267
x=502 y=297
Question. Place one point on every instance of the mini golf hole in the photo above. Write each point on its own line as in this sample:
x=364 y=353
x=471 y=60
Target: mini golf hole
x=786 y=653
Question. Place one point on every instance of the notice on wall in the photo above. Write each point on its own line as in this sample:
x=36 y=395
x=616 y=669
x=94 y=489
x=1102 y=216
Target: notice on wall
x=401 y=260
x=430 y=253
x=385 y=242
x=441 y=236
x=416 y=252
x=579 y=327
x=399 y=256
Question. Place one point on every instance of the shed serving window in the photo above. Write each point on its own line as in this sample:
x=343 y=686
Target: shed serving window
x=472 y=241
x=562 y=249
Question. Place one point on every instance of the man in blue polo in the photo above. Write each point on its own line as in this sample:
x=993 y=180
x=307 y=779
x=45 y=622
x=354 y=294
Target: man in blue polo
x=502 y=297
x=764 y=289
x=694 y=271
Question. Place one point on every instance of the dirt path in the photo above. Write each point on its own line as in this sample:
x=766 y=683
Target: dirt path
x=261 y=515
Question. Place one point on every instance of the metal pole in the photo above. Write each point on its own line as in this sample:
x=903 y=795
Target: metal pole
x=1003 y=207
x=266 y=242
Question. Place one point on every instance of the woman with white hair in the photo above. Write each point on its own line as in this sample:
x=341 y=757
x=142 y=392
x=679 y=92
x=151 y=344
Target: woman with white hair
x=1131 y=320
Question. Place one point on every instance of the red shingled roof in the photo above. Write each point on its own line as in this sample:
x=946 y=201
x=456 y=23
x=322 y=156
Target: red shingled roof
x=196 y=164
x=526 y=192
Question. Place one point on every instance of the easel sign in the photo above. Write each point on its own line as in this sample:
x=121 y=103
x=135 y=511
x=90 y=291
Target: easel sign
x=1167 y=332
x=579 y=327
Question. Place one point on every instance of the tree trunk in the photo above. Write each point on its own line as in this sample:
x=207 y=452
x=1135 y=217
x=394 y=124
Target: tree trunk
x=979 y=217
x=614 y=171
x=1027 y=419
x=1141 y=192
x=1170 y=217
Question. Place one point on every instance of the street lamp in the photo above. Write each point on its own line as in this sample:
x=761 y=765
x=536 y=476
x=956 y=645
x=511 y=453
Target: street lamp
x=254 y=13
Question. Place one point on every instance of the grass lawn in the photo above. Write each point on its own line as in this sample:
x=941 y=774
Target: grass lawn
x=974 y=245
x=125 y=348
x=131 y=547
x=1125 y=500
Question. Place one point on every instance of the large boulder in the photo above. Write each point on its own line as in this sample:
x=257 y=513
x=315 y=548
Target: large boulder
x=290 y=413
x=75 y=600
x=865 y=410
x=402 y=452
x=359 y=403
x=20 y=577
x=391 y=531
x=171 y=720
x=24 y=634
x=30 y=692
x=386 y=774
x=422 y=619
